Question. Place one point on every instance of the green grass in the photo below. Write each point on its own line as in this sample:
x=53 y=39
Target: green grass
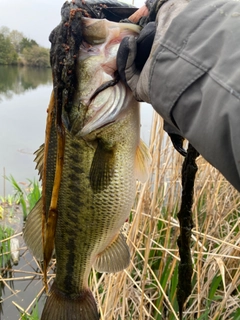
x=33 y=316
x=26 y=196
x=5 y=255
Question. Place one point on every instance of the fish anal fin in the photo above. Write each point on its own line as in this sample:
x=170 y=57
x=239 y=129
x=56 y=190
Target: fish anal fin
x=142 y=162
x=102 y=168
x=115 y=257
x=59 y=305
x=32 y=232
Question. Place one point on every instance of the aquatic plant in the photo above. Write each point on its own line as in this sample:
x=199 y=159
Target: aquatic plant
x=7 y=206
x=29 y=317
x=33 y=316
x=5 y=248
x=27 y=195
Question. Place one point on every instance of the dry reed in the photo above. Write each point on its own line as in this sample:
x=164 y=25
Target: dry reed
x=147 y=288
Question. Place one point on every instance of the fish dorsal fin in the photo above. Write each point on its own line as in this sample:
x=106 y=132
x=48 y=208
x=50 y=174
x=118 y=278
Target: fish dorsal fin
x=142 y=162
x=102 y=168
x=115 y=257
x=39 y=156
x=32 y=232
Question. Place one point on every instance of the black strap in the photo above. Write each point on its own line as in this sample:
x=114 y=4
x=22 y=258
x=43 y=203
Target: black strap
x=185 y=268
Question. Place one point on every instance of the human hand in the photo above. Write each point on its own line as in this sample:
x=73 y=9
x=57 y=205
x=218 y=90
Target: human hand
x=131 y=59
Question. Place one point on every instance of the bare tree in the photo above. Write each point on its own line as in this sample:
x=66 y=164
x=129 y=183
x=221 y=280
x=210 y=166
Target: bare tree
x=16 y=38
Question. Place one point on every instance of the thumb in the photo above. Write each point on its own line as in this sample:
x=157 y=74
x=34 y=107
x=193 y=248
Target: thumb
x=126 y=62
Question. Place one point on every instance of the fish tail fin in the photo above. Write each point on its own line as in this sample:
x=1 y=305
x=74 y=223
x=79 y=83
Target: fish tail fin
x=60 y=306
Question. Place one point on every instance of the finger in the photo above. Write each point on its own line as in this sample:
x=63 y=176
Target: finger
x=122 y=57
x=144 y=44
x=141 y=12
x=131 y=72
x=126 y=61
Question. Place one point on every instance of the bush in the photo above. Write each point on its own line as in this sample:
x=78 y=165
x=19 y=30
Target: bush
x=8 y=55
x=36 y=56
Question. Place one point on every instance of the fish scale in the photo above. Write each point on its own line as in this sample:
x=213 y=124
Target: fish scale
x=103 y=157
x=96 y=214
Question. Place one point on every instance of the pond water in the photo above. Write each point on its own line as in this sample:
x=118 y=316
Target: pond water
x=24 y=97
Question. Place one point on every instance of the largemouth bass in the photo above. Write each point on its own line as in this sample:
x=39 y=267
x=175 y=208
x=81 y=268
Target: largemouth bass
x=103 y=157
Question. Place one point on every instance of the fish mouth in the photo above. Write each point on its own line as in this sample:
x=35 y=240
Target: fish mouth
x=103 y=96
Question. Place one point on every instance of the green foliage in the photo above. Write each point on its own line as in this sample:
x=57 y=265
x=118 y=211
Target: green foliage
x=236 y=315
x=27 y=197
x=8 y=55
x=16 y=38
x=5 y=256
x=34 y=195
x=17 y=49
x=212 y=296
x=33 y=316
x=19 y=196
x=36 y=56
x=27 y=44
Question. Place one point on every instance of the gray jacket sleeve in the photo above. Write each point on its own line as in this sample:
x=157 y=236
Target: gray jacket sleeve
x=195 y=81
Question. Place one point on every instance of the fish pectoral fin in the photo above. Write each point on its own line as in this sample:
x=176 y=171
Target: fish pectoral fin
x=39 y=156
x=102 y=168
x=32 y=232
x=142 y=162
x=115 y=257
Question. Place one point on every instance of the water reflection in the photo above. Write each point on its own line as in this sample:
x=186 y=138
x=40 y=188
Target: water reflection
x=24 y=96
x=14 y=80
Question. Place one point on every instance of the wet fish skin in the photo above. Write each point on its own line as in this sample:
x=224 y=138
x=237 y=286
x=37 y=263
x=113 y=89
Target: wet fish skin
x=103 y=157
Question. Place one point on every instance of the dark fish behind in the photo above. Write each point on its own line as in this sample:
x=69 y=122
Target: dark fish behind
x=103 y=157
